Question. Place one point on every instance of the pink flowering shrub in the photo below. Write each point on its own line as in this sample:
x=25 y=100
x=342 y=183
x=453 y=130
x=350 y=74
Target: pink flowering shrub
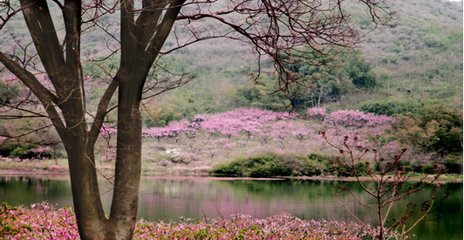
x=107 y=130
x=357 y=119
x=42 y=152
x=39 y=222
x=240 y=120
x=318 y=113
x=245 y=121
x=243 y=227
x=44 y=222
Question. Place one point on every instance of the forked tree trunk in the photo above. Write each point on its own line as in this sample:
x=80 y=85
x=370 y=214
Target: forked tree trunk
x=92 y=223
x=142 y=37
x=86 y=198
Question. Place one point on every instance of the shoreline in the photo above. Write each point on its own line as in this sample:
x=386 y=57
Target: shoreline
x=58 y=168
x=63 y=173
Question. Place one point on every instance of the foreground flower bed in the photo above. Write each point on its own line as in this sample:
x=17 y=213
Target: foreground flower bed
x=44 y=222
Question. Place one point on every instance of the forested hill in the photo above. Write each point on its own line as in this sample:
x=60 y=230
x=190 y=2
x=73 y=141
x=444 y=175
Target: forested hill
x=416 y=58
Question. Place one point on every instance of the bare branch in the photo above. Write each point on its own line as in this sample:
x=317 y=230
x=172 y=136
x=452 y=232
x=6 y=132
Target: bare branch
x=102 y=111
x=47 y=98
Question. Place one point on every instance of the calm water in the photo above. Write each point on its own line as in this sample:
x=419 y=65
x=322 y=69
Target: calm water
x=166 y=199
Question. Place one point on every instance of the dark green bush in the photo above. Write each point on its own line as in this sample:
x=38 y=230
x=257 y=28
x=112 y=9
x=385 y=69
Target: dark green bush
x=25 y=152
x=429 y=169
x=22 y=152
x=435 y=129
x=233 y=169
x=453 y=164
x=390 y=108
x=287 y=165
x=313 y=168
x=7 y=92
x=271 y=165
x=360 y=73
x=406 y=166
x=260 y=166
x=418 y=168
x=342 y=170
x=318 y=157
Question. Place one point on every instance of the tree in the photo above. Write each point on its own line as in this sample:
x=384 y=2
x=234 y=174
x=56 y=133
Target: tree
x=387 y=186
x=271 y=27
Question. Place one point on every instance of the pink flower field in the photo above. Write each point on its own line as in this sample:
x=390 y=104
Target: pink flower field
x=42 y=221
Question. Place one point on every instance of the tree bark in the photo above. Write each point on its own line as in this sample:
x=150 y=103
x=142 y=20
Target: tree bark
x=86 y=197
x=128 y=163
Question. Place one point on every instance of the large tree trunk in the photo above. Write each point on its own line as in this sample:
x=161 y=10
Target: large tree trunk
x=92 y=223
x=128 y=162
x=81 y=159
x=142 y=36
x=85 y=191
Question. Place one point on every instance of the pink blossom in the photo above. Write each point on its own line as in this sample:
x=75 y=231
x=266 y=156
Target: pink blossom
x=39 y=150
x=108 y=130
x=357 y=119
x=316 y=113
x=42 y=221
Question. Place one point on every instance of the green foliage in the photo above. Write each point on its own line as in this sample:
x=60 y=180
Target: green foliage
x=27 y=152
x=343 y=170
x=442 y=41
x=6 y=227
x=391 y=107
x=435 y=129
x=272 y=165
x=260 y=166
x=336 y=166
x=262 y=95
x=360 y=72
x=7 y=92
x=318 y=83
x=21 y=151
x=313 y=167
x=161 y=119
x=453 y=163
x=429 y=169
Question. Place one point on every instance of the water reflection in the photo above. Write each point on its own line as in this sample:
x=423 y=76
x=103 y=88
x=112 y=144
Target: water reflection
x=166 y=199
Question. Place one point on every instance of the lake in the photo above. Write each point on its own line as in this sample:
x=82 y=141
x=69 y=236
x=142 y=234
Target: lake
x=171 y=198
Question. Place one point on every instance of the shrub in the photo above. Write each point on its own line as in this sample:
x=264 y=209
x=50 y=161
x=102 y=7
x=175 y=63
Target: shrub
x=406 y=166
x=22 y=151
x=429 y=169
x=318 y=157
x=259 y=166
x=313 y=168
x=232 y=169
x=453 y=164
x=46 y=223
x=357 y=119
x=271 y=165
x=435 y=129
x=418 y=168
x=318 y=113
x=343 y=170
x=390 y=108
x=361 y=74
x=8 y=92
x=31 y=152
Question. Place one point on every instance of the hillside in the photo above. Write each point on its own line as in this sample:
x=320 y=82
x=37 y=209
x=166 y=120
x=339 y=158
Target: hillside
x=418 y=57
